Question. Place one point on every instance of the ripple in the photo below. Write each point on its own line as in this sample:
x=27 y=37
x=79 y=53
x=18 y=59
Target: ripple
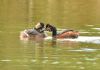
x=85 y=50
x=96 y=28
x=79 y=62
x=87 y=39
x=89 y=49
x=25 y=65
x=75 y=50
x=45 y=57
x=82 y=67
x=90 y=25
x=6 y=60
x=90 y=59
x=33 y=60
x=56 y=62
x=45 y=61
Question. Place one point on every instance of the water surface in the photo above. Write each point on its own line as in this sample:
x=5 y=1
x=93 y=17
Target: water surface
x=82 y=53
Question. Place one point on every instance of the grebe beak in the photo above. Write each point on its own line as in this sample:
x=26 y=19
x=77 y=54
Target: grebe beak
x=47 y=29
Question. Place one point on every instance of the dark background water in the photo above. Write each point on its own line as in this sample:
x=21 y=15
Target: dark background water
x=17 y=15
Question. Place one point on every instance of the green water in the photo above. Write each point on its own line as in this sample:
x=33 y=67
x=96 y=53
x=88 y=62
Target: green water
x=17 y=15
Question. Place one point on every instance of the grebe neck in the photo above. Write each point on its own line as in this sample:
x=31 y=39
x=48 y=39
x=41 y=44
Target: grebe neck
x=54 y=31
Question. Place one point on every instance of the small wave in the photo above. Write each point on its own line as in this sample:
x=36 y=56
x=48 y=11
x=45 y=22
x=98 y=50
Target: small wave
x=96 y=28
x=85 y=50
x=6 y=60
x=90 y=25
x=87 y=39
x=56 y=62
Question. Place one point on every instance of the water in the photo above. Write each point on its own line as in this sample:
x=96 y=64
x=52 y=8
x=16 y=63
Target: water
x=82 y=53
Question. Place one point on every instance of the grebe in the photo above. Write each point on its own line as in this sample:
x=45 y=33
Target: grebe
x=37 y=31
x=64 y=34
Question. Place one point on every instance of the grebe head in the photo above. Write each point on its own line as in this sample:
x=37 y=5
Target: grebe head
x=48 y=27
x=52 y=29
x=39 y=27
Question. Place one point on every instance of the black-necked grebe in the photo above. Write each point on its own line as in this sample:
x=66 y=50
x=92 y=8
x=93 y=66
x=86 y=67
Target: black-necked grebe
x=64 y=34
x=37 y=31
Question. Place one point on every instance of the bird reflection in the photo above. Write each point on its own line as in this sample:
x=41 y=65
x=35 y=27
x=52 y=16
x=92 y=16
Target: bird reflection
x=53 y=42
x=41 y=50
